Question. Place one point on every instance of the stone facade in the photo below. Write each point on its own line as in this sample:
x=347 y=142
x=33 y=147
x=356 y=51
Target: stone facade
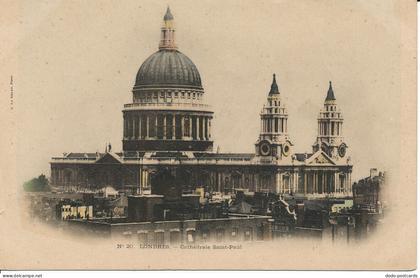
x=168 y=127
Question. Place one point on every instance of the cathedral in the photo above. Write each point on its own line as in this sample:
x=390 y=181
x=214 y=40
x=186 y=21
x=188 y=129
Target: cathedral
x=167 y=141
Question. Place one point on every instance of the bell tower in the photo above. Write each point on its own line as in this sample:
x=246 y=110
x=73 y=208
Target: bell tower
x=330 y=129
x=274 y=139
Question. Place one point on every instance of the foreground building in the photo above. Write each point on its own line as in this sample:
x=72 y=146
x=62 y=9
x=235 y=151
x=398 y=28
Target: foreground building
x=167 y=141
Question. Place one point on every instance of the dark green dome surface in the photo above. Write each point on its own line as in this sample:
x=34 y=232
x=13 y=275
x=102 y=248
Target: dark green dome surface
x=168 y=68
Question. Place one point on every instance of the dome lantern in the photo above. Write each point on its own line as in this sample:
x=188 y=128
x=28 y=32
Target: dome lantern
x=167 y=38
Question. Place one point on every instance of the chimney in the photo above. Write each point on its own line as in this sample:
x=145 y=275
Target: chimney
x=373 y=172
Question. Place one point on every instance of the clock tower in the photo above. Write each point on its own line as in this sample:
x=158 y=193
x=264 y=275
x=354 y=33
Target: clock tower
x=330 y=129
x=273 y=141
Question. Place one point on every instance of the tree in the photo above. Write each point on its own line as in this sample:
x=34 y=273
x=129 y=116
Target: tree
x=36 y=184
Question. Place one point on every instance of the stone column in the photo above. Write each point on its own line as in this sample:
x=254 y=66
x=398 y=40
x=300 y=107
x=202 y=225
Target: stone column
x=206 y=128
x=182 y=120
x=128 y=127
x=218 y=182
x=335 y=182
x=350 y=189
x=173 y=133
x=209 y=128
x=125 y=127
x=273 y=125
x=348 y=182
x=156 y=126
x=203 y=129
x=197 y=123
x=164 y=127
x=255 y=177
x=262 y=126
x=147 y=135
x=190 y=133
x=278 y=184
x=133 y=135
x=140 y=119
x=312 y=184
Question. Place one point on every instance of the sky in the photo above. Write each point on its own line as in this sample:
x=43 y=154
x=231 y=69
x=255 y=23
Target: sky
x=77 y=61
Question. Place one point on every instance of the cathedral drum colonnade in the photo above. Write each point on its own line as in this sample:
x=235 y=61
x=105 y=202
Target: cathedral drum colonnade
x=167 y=112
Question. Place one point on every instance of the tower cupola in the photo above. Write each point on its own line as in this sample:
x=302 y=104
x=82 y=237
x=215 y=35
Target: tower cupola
x=274 y=139
x=167 y=38
x=330 y=128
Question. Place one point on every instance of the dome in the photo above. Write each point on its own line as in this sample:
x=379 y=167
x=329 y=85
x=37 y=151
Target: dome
x=168 y=68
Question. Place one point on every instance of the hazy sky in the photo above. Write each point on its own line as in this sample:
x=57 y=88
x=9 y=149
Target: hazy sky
x=77 y=62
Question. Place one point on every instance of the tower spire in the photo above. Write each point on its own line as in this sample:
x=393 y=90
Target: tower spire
x=274 y=88
x=330 y=128
x=330 y=94
x=168 y=15
x=274 y=139
x=167 y=38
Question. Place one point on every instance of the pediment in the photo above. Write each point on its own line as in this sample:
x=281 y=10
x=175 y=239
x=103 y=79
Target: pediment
x=109 y=158
x=320 y=158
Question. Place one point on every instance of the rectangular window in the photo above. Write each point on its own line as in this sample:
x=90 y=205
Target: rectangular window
x=248 y=235
x=220 y=235
x=234 y=234
x=159 y=238
x=174 y=237
x=127 y=235
x=191 y=236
